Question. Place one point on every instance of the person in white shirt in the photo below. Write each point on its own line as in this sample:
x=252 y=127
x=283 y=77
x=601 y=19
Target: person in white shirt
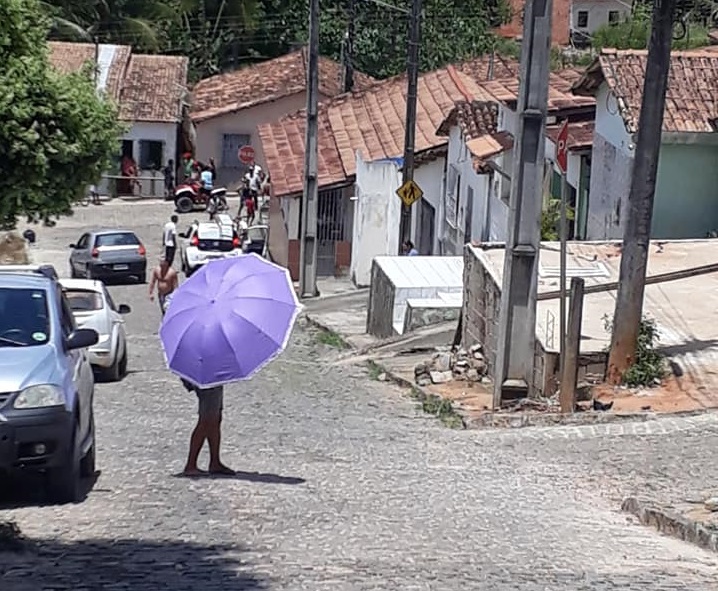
x=169 y=239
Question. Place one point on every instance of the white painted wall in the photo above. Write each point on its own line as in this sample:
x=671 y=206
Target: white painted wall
x=377 y=215
x=430 y=178
x=573 y=172
x=597 y=13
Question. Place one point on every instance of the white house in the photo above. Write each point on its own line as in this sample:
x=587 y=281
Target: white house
x=686 y=198
x=149 y=91
x=587 y=16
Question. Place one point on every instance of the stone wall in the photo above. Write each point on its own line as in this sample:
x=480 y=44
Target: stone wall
x=380 y=316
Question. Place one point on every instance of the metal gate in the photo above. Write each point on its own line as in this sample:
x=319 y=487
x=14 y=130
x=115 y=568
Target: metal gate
x=330 y=229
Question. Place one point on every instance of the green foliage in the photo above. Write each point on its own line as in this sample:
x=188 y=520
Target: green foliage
x=56 y=135
x=649 y=365
x=218 y=35
x=634 y=32
x=551 y=220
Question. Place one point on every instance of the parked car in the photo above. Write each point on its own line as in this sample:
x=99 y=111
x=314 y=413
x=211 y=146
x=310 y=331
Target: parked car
x=46 y=383
x=207 y=241
x=256 y=240
x=93 y=307
x=109 y=254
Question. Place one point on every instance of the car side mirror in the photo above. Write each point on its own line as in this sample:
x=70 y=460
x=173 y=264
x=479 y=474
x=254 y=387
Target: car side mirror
x=73 y=245
x=124 y=309
x=82 y=338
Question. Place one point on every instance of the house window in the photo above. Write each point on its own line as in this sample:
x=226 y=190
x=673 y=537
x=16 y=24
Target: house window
x=151 y=154
x=614 y=17
x=582 y=19
x=458 y=199
x=231 y=143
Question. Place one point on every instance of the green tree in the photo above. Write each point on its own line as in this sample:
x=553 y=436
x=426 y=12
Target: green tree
x=56 y=135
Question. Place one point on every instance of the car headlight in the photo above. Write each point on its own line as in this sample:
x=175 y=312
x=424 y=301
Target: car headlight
x=39 y=397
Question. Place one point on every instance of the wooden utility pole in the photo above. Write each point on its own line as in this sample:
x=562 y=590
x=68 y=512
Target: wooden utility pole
x=569 y=372
x=517 y=318
x=412 y=72
x=308 y=204
x=636 y=236
x=349 y=49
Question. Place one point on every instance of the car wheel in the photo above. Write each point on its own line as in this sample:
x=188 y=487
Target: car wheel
x=188 y=271
x=88 y=463
x=123 y=364
x=64 y=483
x=88 y=272
x=184 y=204
x=112 y=373
x=73 y=273
x=142 y=277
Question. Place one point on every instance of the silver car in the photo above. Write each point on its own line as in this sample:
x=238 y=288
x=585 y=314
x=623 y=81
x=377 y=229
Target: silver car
x=46 y=384
x=109 y=254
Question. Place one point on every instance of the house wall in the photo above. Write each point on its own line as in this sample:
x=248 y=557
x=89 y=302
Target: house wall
x=611 y=169
x=430 y=178
x=597 y=13
x=686 y=200
x=377 y=215
x=210 y=134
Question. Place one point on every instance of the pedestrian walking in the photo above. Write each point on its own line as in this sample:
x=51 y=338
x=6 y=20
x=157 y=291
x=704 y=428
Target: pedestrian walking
x=169 y=240
x=169 y=174
x=209 y=429
x=166 y=280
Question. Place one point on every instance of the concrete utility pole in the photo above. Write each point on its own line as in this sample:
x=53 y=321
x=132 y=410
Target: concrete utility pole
x=308 y=233
x=637 y=234
x=412 y=72
x=517 y=319
x=349 y=49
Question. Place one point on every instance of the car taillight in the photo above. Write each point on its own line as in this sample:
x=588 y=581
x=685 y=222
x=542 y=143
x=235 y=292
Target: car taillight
x=141 y=250
x=235 y=242
x=194 y=241
x=95 y=253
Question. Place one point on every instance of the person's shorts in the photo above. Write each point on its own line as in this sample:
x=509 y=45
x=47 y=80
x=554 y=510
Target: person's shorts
x=211 y=401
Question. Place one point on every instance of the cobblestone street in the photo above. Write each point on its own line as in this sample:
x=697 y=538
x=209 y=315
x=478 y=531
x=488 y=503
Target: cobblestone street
x=347 y=485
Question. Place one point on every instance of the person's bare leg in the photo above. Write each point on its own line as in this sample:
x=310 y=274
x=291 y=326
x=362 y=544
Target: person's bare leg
x=196 y=441
x=214 y=438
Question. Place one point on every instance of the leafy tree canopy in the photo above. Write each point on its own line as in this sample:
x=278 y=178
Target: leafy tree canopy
x=57 y=135
x=223 y=34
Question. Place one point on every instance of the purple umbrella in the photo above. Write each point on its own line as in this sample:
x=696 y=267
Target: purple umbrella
x=229 y=320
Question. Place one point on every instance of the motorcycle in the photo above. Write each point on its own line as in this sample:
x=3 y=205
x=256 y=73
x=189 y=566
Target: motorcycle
x=190 y=196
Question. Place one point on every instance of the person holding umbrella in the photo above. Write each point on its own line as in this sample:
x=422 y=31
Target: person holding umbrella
x=225 y=323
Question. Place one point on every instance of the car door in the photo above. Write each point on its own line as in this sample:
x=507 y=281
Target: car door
x=117 y=323
x=78 y=365
x=77 y=260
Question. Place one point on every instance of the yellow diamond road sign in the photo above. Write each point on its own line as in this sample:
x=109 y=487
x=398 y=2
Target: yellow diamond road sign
x=409 y=193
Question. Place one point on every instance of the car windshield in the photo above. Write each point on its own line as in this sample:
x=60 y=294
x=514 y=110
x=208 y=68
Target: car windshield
x=257 y=234
x=116 y=239
x=83 y=300
x=23 y=317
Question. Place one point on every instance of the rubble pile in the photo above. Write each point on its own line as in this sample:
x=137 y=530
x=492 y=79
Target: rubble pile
x=459 y=364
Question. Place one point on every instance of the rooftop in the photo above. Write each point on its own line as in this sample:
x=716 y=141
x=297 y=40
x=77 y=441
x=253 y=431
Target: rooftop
x=580 y=134
x=264 y=82
x=683 y=309
x=691 y=99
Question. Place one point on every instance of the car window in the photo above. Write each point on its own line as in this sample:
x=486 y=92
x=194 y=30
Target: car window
x=82 y=242
x=117 y=239
x=83 y=300
x=29 y=328
x=67 y=320
x=110 y=301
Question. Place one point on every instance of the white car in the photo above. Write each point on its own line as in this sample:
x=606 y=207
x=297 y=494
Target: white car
x=207 y=241
x=93 y=307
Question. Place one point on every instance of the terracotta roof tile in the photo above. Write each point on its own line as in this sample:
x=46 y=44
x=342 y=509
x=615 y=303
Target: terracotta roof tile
x=580 y=134
x=691 y=99
x=72 y=57
x=475 y=119
x=488 y=67
x=264 y=82
x=485 y=146
x=153 y=88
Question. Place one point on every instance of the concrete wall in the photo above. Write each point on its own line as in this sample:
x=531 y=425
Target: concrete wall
x=377 y=214
x=379 y=321
x=210 y=133
x=430 y=178
x=686 y=201
x=597 y=13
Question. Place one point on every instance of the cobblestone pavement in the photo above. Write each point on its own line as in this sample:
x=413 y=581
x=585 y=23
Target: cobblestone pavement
x=348 y=486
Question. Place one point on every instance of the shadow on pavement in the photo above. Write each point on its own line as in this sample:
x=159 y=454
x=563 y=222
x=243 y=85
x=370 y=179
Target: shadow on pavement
x=28 y=490
x=247 y=477
x=171 y=565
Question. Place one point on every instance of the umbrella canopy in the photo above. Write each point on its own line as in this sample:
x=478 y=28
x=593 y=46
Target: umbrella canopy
x=229 y=320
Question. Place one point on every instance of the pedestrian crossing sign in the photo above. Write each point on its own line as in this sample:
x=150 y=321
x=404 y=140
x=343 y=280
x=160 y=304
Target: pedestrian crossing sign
x=410 y=193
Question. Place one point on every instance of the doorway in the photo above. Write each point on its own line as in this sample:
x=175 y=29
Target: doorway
x=330 y=230
x=427 y=217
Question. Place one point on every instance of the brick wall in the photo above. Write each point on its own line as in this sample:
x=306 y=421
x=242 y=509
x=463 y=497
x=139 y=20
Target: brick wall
x=560 y=21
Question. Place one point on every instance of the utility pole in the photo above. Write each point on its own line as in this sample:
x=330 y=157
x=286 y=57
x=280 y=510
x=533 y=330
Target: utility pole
x=349 y=49
x=517 y=319
x=412 y=72
x=308 y=231
x=637 y=233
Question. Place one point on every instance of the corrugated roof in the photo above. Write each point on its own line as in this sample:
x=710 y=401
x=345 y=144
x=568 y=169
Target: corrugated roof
x=265 y=82
x=691 y=98
x=369 y=121
x=153 y=88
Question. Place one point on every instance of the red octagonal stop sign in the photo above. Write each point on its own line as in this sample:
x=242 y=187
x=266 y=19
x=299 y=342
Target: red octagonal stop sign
x=246 y=154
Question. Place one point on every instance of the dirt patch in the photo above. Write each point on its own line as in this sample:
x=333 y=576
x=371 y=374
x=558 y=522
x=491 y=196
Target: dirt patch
x=465 y=395
x=13 y=249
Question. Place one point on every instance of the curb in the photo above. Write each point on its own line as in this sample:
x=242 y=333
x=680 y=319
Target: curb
x=321 y=326
x=672 y=524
